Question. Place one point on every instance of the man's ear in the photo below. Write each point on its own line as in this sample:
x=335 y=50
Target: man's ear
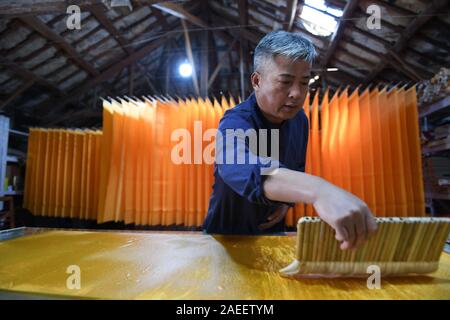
x=256 y=78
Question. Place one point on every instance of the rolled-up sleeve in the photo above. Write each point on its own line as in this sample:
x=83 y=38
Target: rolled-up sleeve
x=246 y=177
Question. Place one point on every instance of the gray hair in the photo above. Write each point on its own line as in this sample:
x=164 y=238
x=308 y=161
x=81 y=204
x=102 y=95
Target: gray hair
x=287 y=44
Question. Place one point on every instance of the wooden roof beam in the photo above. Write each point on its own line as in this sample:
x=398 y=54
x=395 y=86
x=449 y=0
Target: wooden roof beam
x=17 y=93
x=349 y=9
x=99 y=13
x=410 y=30
x=40 y=27
x=28 y=75
x=180 y=12
x=291 y=13
x=50 y=109
x=14 y=8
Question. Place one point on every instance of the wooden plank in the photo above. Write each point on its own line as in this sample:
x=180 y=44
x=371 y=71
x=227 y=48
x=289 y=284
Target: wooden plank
x=291 y=13
x=434 y=107
x=190 y=56
x=4 y=136
x=11 y=8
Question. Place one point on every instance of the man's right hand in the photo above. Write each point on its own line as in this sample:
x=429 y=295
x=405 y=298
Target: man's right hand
x=348 y=215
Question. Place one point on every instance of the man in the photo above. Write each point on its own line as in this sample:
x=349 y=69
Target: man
x=250 y=199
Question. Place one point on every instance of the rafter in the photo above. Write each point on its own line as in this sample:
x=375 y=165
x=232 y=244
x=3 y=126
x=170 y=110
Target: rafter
x=216 y=71
x=187 y=42
x=410 y=30
x=28 y=75
x=99 y=12
x=401 y=66
x=243 y=48
x=11 y=8
x=50 y=109
x=17 y=93
x=291 y=12
x=349 y=9
x=180 y=12
x=40 y=27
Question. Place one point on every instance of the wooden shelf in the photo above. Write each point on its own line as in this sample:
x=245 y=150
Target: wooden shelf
x=13 y=193
x=441 y=147
x=434 y=107
x=12 y=159
x=435 y=195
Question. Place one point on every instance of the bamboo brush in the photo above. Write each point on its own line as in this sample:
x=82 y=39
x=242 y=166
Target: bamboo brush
x=400 y=246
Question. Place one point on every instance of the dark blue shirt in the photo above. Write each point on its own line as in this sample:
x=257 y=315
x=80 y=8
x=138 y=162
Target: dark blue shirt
x=238 y=204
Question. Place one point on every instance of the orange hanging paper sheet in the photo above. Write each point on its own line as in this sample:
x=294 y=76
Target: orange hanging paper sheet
x=172 y=174
x=354 y=147
x=156 y=178
x=405 y=146
x=366 y=151
x=398 y=170
x=53 y=157
x=106 y=150
x=149 y=115
x=415 y=155
x=367 y=143
x=325 y=138
x=46 y=176
x=344 y=173
x=128 y=191
x=377 y=152
x=83 y=176
x=333 y=144
x=386 y=137
x=190 y=192
x=180 y=123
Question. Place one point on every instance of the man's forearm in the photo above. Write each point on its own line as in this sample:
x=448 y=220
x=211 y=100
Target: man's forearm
x=348 y=215
x=293 y=186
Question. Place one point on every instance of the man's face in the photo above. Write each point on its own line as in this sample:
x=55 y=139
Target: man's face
x=281 y=87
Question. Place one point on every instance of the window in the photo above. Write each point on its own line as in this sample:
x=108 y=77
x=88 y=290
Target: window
x=318 y=18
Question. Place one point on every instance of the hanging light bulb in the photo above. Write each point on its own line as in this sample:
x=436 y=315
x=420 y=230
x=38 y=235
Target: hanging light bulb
x=185 y=69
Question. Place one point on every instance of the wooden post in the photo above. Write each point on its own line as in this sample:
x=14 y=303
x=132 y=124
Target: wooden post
x=4 y=135
x=190 y=57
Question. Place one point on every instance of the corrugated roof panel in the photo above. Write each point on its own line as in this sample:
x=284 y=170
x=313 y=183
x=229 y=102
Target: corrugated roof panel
x=11 y=39
x=51 y=65
x=74 y=80
x=71 y=68
x=28 y=48
x=41 y=57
